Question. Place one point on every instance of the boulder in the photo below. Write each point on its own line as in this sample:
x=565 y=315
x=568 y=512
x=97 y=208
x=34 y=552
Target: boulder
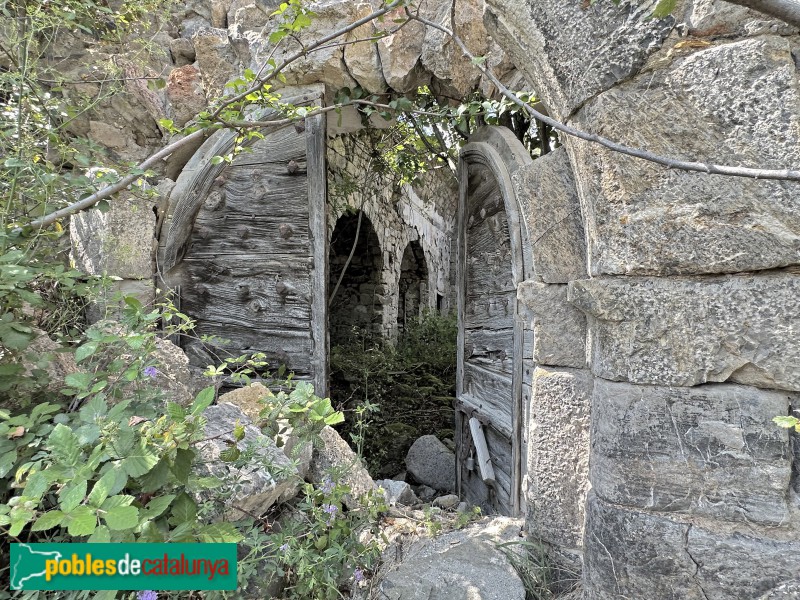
x=334 y=458
x=458 y=565
x=173 y=375
x=248 y=399
x=268 y=478
x=59 y=363
x=432 y=463
x=216 y=58
x=397 y=492
x=447 y=501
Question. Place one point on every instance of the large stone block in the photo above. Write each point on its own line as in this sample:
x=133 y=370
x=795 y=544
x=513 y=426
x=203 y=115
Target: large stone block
x=558 y=455
x=637 y=555
x=570 y=51
x=711 y=450
x=552 y=212
x=559 y=329
x=736 y=104
x=694 y=330
x=119 y=242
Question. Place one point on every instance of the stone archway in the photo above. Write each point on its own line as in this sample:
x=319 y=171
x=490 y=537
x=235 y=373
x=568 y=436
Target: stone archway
x=413 y=286
x=354 y=284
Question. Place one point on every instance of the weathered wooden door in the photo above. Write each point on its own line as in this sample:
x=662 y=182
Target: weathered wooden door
x=246 y=250
x=492 y=251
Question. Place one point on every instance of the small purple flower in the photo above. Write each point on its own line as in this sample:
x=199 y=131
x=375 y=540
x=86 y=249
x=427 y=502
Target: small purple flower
x=150 y=372
x=327 y=485
x=330 y=509
x=358 y=575
x=284 y=547
x=147 y=595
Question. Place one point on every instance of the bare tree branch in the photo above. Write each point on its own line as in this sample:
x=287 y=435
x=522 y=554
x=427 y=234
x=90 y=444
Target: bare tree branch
x=785 y=10
x=684 y=165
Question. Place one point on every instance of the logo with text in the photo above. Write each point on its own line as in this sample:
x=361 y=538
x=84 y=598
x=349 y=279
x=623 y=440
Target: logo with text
x=123 y=566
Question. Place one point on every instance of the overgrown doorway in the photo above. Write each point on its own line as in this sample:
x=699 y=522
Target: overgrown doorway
x=413 y=286
x=356 y=262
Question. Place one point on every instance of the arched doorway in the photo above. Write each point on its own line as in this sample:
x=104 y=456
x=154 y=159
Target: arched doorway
x=413 y=286
x=493 y=258
x=355 y=294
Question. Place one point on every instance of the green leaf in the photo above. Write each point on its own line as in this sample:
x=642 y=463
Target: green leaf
x=158 y=477
x=19 y=517
x=216 y=160
x=184 y=509
x=334 y=419
x=156 y=506
x=48 y=520
x=101 y=489
x=664 y=8
x=122 y=517
x=82 y=521
x=182 y=467
x=139 y=462
x=238 y=432
x=79 y=381
x=220 y=533
x=203 y=400
x=7 y=461
x=230 y=454
x=175 y=411
x=114 y=501
x=63 y=443
x=101 y=535
x=85 y=351
x=103 y=206
x=72 y=495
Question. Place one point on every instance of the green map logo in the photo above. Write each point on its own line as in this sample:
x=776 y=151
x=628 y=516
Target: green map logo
x=29 y=564
x=179 y=567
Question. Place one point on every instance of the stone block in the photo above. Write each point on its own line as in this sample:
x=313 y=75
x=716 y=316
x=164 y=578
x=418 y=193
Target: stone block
x=735 y=104
x=631 y=554
x=711 y=450
x=559 y=329
x=694 y=330
x=334 y=458
x=119 y=242
x=558 y=455
x=550 y=40
x=552 y=212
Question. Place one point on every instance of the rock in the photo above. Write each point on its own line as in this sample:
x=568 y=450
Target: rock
x=559 y=329
x=642 y=219
x=216 y=59
x=336 y=459
x=638 y=555
x=400 y=56
x=447 y=501
x=558 y=455
x=361 y=58
x=462 y=507
x=182 y=50
x=715 y=17
x=173 y=375
x=248 y=399
x=549 y=41
x=711 y=450
x=397 y=492
x=432 y=463
x=59 y=364
x=255 y=488
x=427 y=493
x=551 y=208
x=457 y=565
x=120 y=241
x=186 y=95
x=689 y=331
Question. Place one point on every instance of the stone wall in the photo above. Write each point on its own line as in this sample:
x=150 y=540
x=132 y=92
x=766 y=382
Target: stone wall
x=664 y=303
x=423 y=212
